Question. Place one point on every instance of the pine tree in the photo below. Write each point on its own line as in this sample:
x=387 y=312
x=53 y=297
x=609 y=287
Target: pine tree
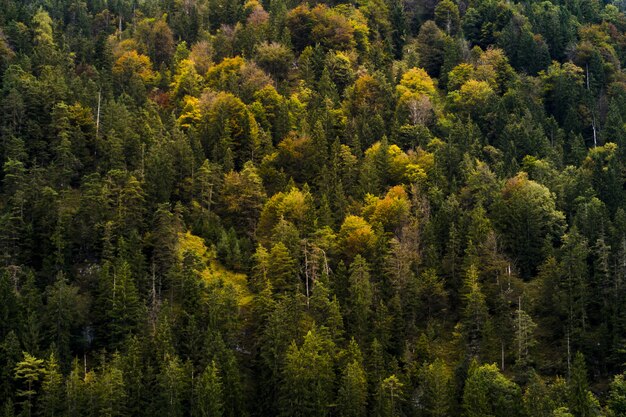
x=582 y=403
x=29 y=371
x=475 y=314
x=436 y=398
x=10 y=355
x=389 y=397
x=617 y=396
x=360 y=297
x=538 y=400
x=172 y=384
x=308 y=378
x=65 y=312
x=208 y=393
x=132 y=365
x=51 y=401
x=352 y=396
x=282 y=269
x=32 y=307
x=524 y=338
x=109 y=389
x=489 y=393
x=76 y=391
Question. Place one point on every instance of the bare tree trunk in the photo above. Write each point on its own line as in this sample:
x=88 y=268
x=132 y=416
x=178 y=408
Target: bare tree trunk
x=98 y=115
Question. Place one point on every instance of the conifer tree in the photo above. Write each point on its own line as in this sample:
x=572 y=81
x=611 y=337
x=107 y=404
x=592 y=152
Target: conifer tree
x=29 y=371
x=208 y=393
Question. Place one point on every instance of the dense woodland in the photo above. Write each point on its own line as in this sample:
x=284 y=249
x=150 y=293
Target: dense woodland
x=275 y=208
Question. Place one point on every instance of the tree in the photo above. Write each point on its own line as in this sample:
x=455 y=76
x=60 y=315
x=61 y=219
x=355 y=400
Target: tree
x=274 y=58
x=574 y=287
x=172 y=383
x=527 y=217
x=157 y=39
x=76 y=391
x=617 y=396
x=475 y=313
x=356 y=235
x=66 y=309
x=282 y=270
x=538 y=400
x=208 y=393
x=489 y=393
x=51 y=401
x=228 y=128
x=431 y=43
x=45 y=45
x=390 y=395
x=308 y=377
x=242 y=196
x=120 y=305
x=526 y=51
x=133 y=71
x=563 y=88
x=186 y=81
x=474 y=98
x=436 y=395
x=352 y=396
x=581 y=401
x=447 y=17
x=524 y=338
x=562 y=412
x=109 y=389
x=28 y=371
x=360 y=297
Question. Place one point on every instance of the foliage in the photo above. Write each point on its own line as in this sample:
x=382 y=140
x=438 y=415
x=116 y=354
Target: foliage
x=351 y=208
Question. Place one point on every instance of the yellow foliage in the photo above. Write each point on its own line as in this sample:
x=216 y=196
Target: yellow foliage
x=425 y=159
x=119 y=48
x=186 y=80
x=356 y=235
x=191 y=113
x=398 y=160
x=472 y=95
x=189 y=243
x=415 y=174
x=390 y=211
x=416 y=81
x=460 y=75
x=134 y=63
x=220 y=73
x=212 y=272
x=292 y=206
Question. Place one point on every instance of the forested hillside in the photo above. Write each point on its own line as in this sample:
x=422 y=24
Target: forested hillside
x=334 y=208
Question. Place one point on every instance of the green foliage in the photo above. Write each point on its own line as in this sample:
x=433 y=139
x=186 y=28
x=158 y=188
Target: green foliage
x=29 y=371
x=208 y=394
x=437 y=389
x=308 y=377
x=489 y=393
x=205 y=204
x=526 y=215
x=352 y=395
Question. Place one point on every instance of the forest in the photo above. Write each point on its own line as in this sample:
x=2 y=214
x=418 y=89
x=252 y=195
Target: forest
x=342 y=208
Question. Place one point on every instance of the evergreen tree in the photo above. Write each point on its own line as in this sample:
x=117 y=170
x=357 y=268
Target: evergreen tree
x=475 y=313
x=52 y=399
x=436 y=389
x=360 y=296
x=29 y=371
x=352 y=396
x=308 y=377
x=489 y=393
x=208 y=393
x=581 y=400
